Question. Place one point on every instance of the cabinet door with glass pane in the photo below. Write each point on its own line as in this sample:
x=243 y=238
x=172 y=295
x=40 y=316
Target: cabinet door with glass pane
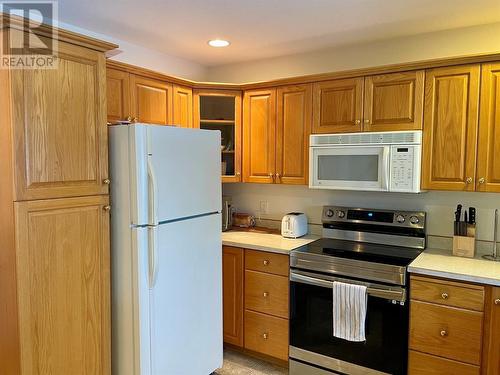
x=221 y=110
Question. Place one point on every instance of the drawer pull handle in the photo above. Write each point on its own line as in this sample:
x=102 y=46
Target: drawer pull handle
x=445 y=295
x=265 y=262
x=265 y=294
x=265 y=336
x=443 y=333
x=497 y=301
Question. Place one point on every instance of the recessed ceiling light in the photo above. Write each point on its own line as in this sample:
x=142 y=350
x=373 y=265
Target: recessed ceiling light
x=218 y=43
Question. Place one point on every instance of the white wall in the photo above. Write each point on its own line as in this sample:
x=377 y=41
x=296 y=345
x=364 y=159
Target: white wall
x=439 y=206
x=464 y=41
x=147 y=58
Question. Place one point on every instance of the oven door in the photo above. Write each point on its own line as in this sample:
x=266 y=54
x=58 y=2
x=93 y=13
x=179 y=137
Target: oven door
x=350 y=167
x=311 y=333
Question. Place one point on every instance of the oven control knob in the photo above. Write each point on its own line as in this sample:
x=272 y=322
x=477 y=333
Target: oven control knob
x=329 y=213
x=341 y=214
x=400 y=219
x=414 y=220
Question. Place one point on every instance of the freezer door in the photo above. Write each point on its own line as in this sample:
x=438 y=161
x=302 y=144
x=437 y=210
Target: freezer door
x=183 y=172
x=186 y=298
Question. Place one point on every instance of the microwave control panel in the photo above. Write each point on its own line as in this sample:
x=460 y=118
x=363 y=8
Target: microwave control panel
x=403 y=168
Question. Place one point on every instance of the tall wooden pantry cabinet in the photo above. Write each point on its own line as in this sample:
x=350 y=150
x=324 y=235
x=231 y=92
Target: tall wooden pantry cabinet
x=54 y=222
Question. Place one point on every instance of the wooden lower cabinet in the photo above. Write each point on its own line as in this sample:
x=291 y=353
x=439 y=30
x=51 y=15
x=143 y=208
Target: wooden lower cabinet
x=233 y=281
x=454 y=328
x=266 y=334
x=256 y=301
x=63 y=283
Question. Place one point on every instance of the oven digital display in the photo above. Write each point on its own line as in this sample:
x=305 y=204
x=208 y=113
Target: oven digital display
x=382 y=217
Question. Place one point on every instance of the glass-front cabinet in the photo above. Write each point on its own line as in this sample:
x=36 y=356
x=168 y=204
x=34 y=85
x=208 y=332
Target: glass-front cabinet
x=221 y=110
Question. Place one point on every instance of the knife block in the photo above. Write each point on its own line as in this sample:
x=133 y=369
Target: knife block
x=465 y=246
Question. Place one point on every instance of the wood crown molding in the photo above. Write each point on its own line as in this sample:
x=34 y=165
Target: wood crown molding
x=16 y=22
x=385 y=69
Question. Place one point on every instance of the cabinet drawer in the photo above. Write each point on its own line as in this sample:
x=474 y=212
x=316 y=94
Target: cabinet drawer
x=448 y=293
x=446 y=331
x=277 y=264
x=425 y=364
x=266 y=334
x=266 y=293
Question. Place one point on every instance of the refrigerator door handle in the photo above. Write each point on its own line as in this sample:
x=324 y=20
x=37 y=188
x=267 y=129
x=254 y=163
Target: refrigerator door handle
x=152 y=256
x=152 y=201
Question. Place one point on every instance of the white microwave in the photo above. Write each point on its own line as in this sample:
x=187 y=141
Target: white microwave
x=386 y=161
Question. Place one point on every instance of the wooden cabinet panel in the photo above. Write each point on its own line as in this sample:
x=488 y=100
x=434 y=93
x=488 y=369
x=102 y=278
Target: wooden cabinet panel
x=450 y=128
x=448 y=293
x=59 y=126
x=425 y=364
x=491 y=352
x=266 y=334
x=118 y=95
x=446 y=332
x=394 y=101
x=488 y=159
x=292 y=133
x=266 y=293
x=259 y=136
x=338 y=106
x=232 y=276
x=63 y=272
x=264 y=261
x=151 y=100
x=183 y=106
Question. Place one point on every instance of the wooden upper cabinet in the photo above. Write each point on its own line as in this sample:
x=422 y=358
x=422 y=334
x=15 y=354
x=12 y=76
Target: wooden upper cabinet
x=59 y=126
x=63 y=281
x=450 y=128
x=488 y=156
x=259 y=136
x=118 y=95
x=233 y=281
x=292 y=134
x=338 y=106
x=491 y=351
x=151 y=100
x=183 y=106
x=394 y=101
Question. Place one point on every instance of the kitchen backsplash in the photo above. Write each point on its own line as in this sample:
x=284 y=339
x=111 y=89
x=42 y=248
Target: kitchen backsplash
x=439 y=206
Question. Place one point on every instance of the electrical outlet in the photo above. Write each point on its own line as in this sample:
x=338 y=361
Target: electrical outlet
x=264 y=207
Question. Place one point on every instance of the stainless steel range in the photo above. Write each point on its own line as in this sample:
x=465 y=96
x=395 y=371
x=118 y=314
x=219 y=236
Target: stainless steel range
x=359 y=246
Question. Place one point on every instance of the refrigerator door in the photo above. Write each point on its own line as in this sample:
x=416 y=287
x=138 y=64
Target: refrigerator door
x=183 y=173
x=186 y=298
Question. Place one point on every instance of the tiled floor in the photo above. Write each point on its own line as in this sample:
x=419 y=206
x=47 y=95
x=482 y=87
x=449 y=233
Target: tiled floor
x=236 y=363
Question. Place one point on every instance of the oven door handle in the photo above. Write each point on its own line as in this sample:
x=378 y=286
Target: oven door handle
x=397 y=295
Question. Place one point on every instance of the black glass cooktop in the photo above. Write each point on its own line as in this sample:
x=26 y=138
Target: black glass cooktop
x=393 y=255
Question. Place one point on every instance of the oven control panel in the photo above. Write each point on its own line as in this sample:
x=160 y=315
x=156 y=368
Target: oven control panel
x=406 y=219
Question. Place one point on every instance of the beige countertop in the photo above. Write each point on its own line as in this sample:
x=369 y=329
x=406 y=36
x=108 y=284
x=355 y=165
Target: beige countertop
x=441 y=263
x=274 y=243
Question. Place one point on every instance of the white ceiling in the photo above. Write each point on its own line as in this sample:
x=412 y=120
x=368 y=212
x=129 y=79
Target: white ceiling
x=260 y=29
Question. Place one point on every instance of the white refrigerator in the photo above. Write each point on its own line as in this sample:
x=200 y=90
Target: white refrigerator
x=166 y=250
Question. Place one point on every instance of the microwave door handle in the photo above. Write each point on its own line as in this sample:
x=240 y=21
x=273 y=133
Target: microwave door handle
x=398 y=295
x=386 y=168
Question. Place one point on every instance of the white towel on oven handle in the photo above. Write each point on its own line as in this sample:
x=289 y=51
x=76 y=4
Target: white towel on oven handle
x=349 y=311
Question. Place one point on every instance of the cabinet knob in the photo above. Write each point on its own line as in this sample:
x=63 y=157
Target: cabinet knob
x=469 y=180
x=443 y=333
x=367 y=121
x=135 y=119
x=265 y=336
x=481 y=180
x=107 y=208
x=265 y=294
x=445 y=295
x=278 y=175
x=265 y=262
x=106 y=181
x=497 y=301
x=357 y=122
x=129 y=118
x=238 y=173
